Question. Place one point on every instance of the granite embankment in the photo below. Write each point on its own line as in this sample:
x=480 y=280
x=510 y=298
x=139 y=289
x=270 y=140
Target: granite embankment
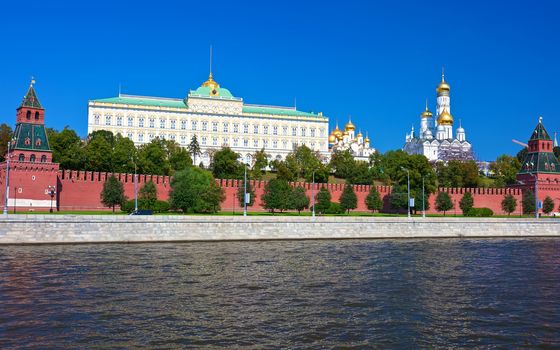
x=37 y=229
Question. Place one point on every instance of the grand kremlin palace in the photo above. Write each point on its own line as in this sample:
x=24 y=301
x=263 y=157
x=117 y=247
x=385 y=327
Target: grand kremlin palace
x=216 y=117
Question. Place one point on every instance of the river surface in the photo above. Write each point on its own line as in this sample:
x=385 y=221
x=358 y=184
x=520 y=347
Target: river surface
x=386 y=294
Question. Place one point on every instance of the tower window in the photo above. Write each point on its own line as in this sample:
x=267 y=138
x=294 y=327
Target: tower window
x=43 y=158
x=32 y=158
x=28 y=115
x=21 y=157
x=36 y=115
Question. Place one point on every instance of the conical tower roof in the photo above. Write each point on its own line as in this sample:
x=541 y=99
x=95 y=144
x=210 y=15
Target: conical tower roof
x=540 y=159
x=31 y=100
x=540 y=133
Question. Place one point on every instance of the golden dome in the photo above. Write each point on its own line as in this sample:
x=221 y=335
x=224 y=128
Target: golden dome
x=360 y=134
x=332 y=138
x=345 y=133
x=426 y=113
x=443 y=86
x=366 y=140
x=349 y=126
x=337 y=133
x=211 y=83
x=445 y=118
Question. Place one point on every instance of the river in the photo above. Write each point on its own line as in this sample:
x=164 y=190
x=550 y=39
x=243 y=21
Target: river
x=445 y=293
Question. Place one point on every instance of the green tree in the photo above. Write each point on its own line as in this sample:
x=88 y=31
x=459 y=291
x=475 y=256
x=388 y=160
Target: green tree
x=505 y=169
x=360 y=174
x=112 y=193
x=194 y=190
x=6 y=135
x=277 y=195
x=509 y=204
x=123 y=153
x=178 y=157
x=421 y=202
x=348 y=199
x=147 y=196
x=241 y=194
x=456 y=173
x=283 y=172
x=259 y=165
x=194 y=149
x=99 y=151
x=466 y=203
x=225 y=164
x=521 y=154
x=528 y=202
x=67 y=149
x=323 y=202
x=399 y=197
x=443 y=202
x=343 y=164
x=299 y=199
x=303 y=161
x=373 y=200
x=152 y=158
x=548 y=205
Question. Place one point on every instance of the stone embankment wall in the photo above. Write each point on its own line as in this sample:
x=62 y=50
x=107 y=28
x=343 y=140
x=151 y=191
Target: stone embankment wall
x=39 y=229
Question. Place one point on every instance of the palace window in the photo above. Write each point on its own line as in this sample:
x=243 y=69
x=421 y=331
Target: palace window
x=96 y=119
x=119 y=120
x=274 y=130
x=203 y=141
x=225 y=141
x=107 y=120
x=245 y=143
x=265 y=143
x=183 y=139
x=245 y=128
x=172 y=137
x=235 y=142
x=235 y=128
x=173 y=122
x=255 y=129
x=321 y=132
x=204 y=126
x=130 y=121
x=225 y=127
x=275 y=144
x=284 y=130
x=215 y=141
x=151 y=136
x=141 y=122
x=194 y=125
x=215 y=127
x=140 y=137
x=294 y=131
x=303 y=131
x=312 y=132
x=256 y=143
x=183 y=124
x=152 y=122
x=265 y=130
x=285 y=144
x=129 y=135
x=162 y=123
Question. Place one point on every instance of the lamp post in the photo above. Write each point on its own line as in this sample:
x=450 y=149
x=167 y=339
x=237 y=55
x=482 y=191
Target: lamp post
x=15 y=198
x=51 y=192
x=313 y=195
x=135 y=186
x=408 y=190
x=423 y=199
x=536 y=194
x=7 y=180
x=245 y=190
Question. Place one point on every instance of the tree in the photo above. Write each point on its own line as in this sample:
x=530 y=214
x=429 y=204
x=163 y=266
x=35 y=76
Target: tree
x=466 y=203
x=443 y=202
x=277 y=195
x=348 y=199
x=241 y=194
x=99 y=151
x=343 y=164
x=260 y=163
x=123 y=153
x=112 y=193
x=194 y=148
x=194 y=190
x=299 y=199
x=152 y=158
x=399 y=197
x=509 y=204
x=360 y=174
x=323 y=202
x=147 y=195
x=67 y=149
x=225 y=164
x=178 y=157
x=6 y=135
x=505 y=169
x=421 y=202
x=528 y=202
x=548 y=205
x=373 y=200
x=302 y=162
x=456 y=173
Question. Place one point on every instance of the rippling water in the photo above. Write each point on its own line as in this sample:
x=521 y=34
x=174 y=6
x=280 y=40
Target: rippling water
x=289 y=294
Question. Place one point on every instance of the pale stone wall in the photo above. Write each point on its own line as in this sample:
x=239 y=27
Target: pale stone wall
x=34 y=229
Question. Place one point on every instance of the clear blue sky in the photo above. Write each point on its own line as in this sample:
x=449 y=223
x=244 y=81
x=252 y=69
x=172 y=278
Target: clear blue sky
x=376 y=61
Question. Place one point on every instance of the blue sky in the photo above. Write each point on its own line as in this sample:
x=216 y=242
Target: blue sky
x=375 y=61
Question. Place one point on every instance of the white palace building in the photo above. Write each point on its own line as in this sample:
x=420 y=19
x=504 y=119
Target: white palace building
x=216 y=117
x=435 y=139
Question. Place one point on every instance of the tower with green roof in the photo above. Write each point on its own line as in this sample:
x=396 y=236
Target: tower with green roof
x=540 y=159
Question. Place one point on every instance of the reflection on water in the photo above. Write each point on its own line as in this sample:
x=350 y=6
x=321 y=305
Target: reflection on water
x=289 y=294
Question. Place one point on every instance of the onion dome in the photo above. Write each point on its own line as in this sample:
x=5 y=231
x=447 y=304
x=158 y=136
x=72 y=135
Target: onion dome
x=426 y=113
x=345 y=133
x=337 y=133
x=445 y=118
x=443 y=86
x=332 y=138
x=349 y=126
x=366 y=140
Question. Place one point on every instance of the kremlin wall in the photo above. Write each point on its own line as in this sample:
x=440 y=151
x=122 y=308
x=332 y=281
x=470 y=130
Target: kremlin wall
x=36 y=183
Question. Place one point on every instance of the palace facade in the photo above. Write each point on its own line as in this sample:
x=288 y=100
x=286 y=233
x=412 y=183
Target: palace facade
x=216 y=118
x=436 y=139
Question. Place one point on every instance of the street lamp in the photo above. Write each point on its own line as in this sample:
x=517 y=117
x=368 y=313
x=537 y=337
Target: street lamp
x=423 y=199
x=135 y=186
x=313 y=195
x=15 y=198
x=245 y=190
x=51 y=191
x=408 y=190
x=7 y=180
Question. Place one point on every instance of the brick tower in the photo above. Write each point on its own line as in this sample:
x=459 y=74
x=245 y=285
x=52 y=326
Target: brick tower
x=32 y=174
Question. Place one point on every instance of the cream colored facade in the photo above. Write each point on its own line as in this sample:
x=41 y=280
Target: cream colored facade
x=216 y=117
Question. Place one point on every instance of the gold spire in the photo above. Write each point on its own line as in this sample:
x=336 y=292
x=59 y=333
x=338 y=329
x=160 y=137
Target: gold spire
x=426 y=113
x=443 y=86
x=211 y=83
x=366 y=140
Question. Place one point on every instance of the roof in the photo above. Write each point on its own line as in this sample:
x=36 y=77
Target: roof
x=30 y=99
x=206 y=91
x=144 y=101
x=540 y=133
x=274 y=110
x=540 y=162
x=32 y=137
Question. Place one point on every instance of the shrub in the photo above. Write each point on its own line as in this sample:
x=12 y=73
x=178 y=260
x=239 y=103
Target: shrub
x=480 y=212
x=466 y=203
x=443 y=202
x=335 y=208
x=161 y=206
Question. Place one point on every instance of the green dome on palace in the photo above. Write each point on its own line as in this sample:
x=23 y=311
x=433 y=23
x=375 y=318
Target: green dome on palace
x=209 y=92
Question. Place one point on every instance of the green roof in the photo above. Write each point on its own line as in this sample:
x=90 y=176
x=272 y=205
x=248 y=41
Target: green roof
x=30 y=99
x=205 y=91
x=288 y=111
x=540 y=162
x=144 y=101
x=32 y=137
x=540 y=133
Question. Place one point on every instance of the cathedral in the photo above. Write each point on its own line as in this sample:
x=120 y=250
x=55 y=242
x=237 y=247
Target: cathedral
x=435 y=139
x=359 y=147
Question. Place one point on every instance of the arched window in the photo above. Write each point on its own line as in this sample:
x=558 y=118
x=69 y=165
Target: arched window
x=43 y=158
x=36 y=115
x=32 y=158
x=21 y=157
x=28 y=115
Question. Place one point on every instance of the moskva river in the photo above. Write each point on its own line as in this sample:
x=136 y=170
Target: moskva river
x=292 y=294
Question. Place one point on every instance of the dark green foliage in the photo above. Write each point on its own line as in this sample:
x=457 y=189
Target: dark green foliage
x=241 y=194
x=466 y=203
x=226 y=166
x=6 y=135
x=260 y=163
x=443 y=202
x=509 y=204
x=334 y=208
x=457 y=174
x=480 y=212
x=348 y=199
x=277 y=195
x=112 y=193
x=148 y=195
x=398 y=197
x=68 y=149
x=421 y=202
x=156 y=207
x=323 y=200
x=342 y=164
x=194 y=190
x=194 y=149
x=373 y=200
x=299 y=200
x=548 y=205
x=301 y=163
x=528 y=202
x=505 y=169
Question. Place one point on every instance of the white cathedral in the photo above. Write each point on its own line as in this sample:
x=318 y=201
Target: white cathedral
x=347 y=140
x=435 y=139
